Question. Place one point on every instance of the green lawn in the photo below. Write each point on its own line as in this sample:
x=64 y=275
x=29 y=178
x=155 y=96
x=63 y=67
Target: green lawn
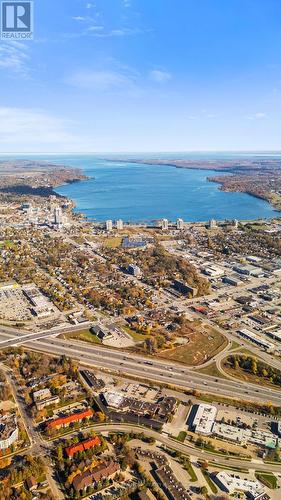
x=112 y=242
x=84 y=335
x=209 y=481
x=138 y=337
x=181 y=436
x=234 y=345
x=189 y=469
x=211 y=370
x=267 y=479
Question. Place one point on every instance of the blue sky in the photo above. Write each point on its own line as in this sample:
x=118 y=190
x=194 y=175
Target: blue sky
x=144 y=75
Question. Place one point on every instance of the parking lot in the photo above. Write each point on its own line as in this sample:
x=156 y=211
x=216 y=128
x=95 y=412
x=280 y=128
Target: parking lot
x=14 y=306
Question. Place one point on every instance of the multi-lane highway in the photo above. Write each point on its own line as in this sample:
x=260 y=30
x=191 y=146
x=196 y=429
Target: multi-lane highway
x=141 y=367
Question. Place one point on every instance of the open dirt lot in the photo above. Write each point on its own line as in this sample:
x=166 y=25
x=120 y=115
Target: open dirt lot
x=202 y=346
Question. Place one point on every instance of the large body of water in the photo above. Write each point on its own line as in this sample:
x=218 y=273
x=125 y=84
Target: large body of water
x=135 y=192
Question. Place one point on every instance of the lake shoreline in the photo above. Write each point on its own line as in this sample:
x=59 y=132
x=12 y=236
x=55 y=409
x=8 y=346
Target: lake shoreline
x=137 y=196
x=244 y=168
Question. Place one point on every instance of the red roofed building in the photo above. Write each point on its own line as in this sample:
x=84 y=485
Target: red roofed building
x=74 y=417
x=84 y=445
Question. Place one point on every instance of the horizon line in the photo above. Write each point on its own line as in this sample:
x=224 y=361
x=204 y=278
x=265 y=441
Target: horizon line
x=252 y=151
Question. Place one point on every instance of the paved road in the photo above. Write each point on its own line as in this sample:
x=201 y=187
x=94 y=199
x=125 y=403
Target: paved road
x=189 y=449
x=10 y=337
x=150 y=368
x=38 y=446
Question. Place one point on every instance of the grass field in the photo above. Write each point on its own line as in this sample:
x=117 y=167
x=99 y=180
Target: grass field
x=189 y=469
x=112 y=242
x=234 y=345
x=181 y=436
x=211 y=370
x=267 y=479
x=244 y=350
x=138 y=337
x=202 y=346
x=84 y=335
x=209 y=481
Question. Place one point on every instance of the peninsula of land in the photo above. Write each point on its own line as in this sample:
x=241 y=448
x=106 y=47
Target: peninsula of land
x=32 y=178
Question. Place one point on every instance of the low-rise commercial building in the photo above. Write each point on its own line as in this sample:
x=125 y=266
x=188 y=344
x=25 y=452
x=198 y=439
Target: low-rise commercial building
x=213 y=271
x=242 y=436
x=159 y=410
x=101 y=332
x=249 y=335
x=204 y=418
x=232 y=482
x=135 y=242
x=229 y=280
x=184 y=288
x=134 y=270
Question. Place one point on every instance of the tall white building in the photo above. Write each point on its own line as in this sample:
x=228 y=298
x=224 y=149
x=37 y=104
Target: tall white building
x=119 y=224
x=165 y=224
x=58 y=218
x=180 y=224
x=108 y=225
x=212 y=224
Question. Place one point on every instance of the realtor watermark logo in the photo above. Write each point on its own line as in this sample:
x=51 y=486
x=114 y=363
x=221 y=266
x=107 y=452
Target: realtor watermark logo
x=16 y=20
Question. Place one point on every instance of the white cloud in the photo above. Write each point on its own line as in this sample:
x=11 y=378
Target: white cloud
x=256 y=116
x=14 y=56
x=116 y=32
x=101 y=80
x=160 y=76
x=29 y=129
x=92 y=26
x=89 y=5
x=80 y=18
x=96 y=28
x=202 y=115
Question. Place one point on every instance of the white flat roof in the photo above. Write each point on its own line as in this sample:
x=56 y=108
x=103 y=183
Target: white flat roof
x=204 y=418
x=256 y=338
x=113 y=399
x=233 y=482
